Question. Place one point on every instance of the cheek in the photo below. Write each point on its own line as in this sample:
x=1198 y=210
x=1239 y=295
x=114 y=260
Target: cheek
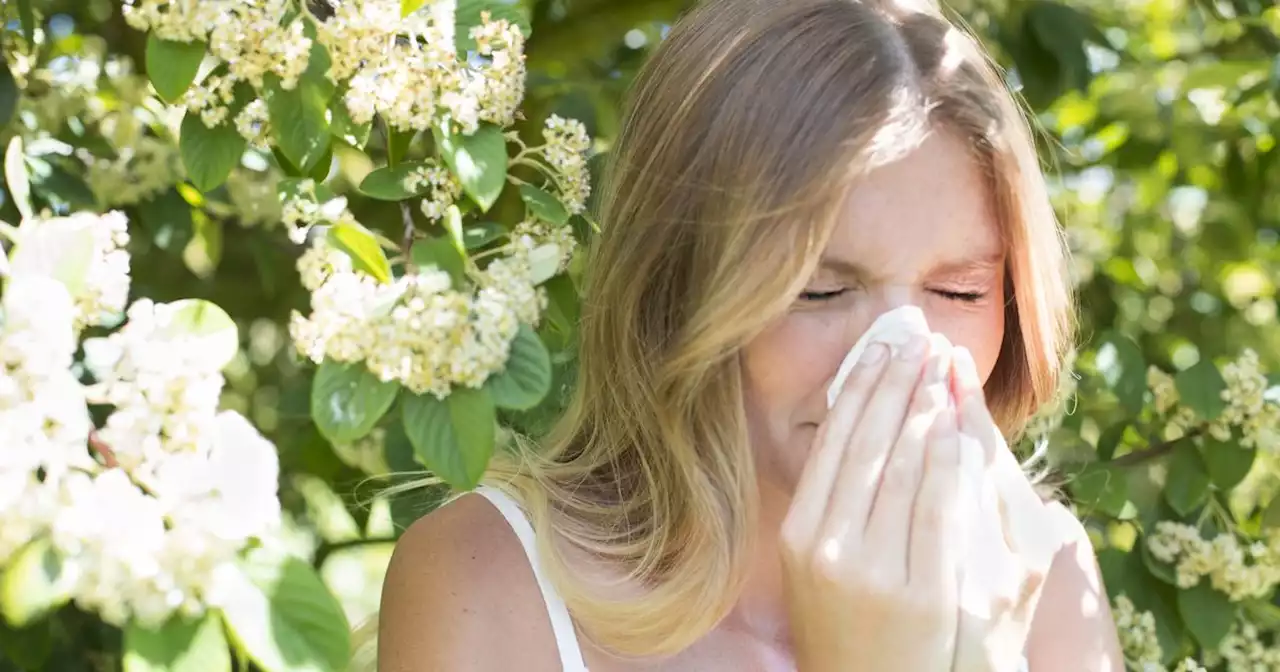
x=788 y=365
x=980 y=330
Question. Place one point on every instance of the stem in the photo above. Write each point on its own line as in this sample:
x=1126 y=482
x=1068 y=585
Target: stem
x=406 y=241
x=1156 y=450
x=98 y=446
x=326 y=549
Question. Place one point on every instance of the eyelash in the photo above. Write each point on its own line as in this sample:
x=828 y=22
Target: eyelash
x=963 y=297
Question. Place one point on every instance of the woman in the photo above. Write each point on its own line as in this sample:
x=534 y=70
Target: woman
x=788 y=171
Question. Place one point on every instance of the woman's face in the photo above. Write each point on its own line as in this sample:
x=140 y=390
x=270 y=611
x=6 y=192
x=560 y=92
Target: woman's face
x=919 y=231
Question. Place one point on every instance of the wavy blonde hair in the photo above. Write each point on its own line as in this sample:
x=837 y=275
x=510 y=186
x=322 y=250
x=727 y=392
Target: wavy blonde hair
x=744 y=132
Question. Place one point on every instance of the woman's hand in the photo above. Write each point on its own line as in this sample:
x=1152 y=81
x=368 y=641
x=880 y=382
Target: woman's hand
x=1014 y=539
x=873 y=541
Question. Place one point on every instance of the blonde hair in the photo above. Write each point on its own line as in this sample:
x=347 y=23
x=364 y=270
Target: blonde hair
x=744 y=132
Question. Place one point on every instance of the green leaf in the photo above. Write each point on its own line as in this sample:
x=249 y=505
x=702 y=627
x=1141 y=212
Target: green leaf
x=172 y=66
x=479 y=160
x=1201 y=388
x=178 y=646
x=347 y=400
x=29 y=648
x=1207 y=613
x=15 y=176
x=454 y=437
x=441 y=253
x=1227 y=461
x=526 y=378
x=1161 y=570
x=9 y=93
x=298 y=116
x=467 y=15
x=388 y=183
x=361 y=245
x=343 y=127
x=35 y=582
x=1187 y=485
x=453 y=224
x=28 y=20
x=1103 y=488
x=63 y=253
x=59 y=187
x=544 y=263
x=563 y=307
x=1110 y=439
x=1262 y=613
x=408 y=7
x=209 y=154
x=1126 y=573
x=398 y=144
x=1124 y=369
x=215 y=332
x=478 y=235
x=1271 y=515
x=544 y=206
x=284 y=617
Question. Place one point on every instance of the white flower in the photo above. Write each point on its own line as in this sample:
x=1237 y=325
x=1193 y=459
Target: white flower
x=1137 y=631
x=85 y=252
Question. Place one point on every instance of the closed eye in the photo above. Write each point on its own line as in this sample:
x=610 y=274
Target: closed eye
x=964 y=297
x=821 y=296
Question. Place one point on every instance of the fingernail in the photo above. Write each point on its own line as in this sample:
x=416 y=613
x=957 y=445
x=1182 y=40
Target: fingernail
x=916 y=347
x=875 y=353
x=966 y=370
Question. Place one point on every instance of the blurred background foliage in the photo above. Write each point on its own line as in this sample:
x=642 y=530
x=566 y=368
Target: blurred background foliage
x=1159 y=123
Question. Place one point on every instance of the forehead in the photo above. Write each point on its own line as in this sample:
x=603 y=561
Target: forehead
x=932 y=206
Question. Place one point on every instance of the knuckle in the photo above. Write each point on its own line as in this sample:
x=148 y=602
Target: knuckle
x=900 y=475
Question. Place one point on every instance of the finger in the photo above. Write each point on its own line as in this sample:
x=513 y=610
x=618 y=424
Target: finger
x=889 y=523
x=1025 y=526
x=938 y=526
x=871 y=441
x=814 y=488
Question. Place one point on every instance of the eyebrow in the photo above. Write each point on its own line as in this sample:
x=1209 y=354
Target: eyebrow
x=984 y=262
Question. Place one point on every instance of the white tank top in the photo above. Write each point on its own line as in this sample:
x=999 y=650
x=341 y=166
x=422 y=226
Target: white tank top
x=561 y=623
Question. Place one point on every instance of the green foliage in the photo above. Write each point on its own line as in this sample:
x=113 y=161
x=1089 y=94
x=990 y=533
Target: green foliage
x=1159 y=120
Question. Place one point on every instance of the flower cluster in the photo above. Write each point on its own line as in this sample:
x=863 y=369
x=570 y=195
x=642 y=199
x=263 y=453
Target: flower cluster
x=1243 y=649
x=407 y=69
x=1248 y=411
x=442 y=187
x=1241 y=572
x=308 y=208
x=566 y=150
x=1138 y=641
x=148 y=509
x=253 y=39
x=420 y=330
x=1137 y=630
x=136 y=157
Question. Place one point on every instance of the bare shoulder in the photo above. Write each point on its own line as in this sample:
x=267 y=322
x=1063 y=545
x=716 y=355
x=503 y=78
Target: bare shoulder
x=458 y=582
x=1073 y=628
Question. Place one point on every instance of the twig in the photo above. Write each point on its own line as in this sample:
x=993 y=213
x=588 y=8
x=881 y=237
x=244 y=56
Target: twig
x=326 y=549
x=406 y=242
x=100 y=447
x=1156 y=451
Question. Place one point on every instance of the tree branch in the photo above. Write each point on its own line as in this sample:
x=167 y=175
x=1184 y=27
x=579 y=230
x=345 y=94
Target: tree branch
x=1155 y=451
x=324 y=550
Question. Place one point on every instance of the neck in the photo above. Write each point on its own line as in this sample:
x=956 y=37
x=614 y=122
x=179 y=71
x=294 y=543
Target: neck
x=761 y=611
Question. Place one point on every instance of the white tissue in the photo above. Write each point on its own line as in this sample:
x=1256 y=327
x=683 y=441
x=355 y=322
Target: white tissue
x=893 y=329
x=1027 y=525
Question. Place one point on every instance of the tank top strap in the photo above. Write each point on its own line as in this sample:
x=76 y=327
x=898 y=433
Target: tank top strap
x=561 y=623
